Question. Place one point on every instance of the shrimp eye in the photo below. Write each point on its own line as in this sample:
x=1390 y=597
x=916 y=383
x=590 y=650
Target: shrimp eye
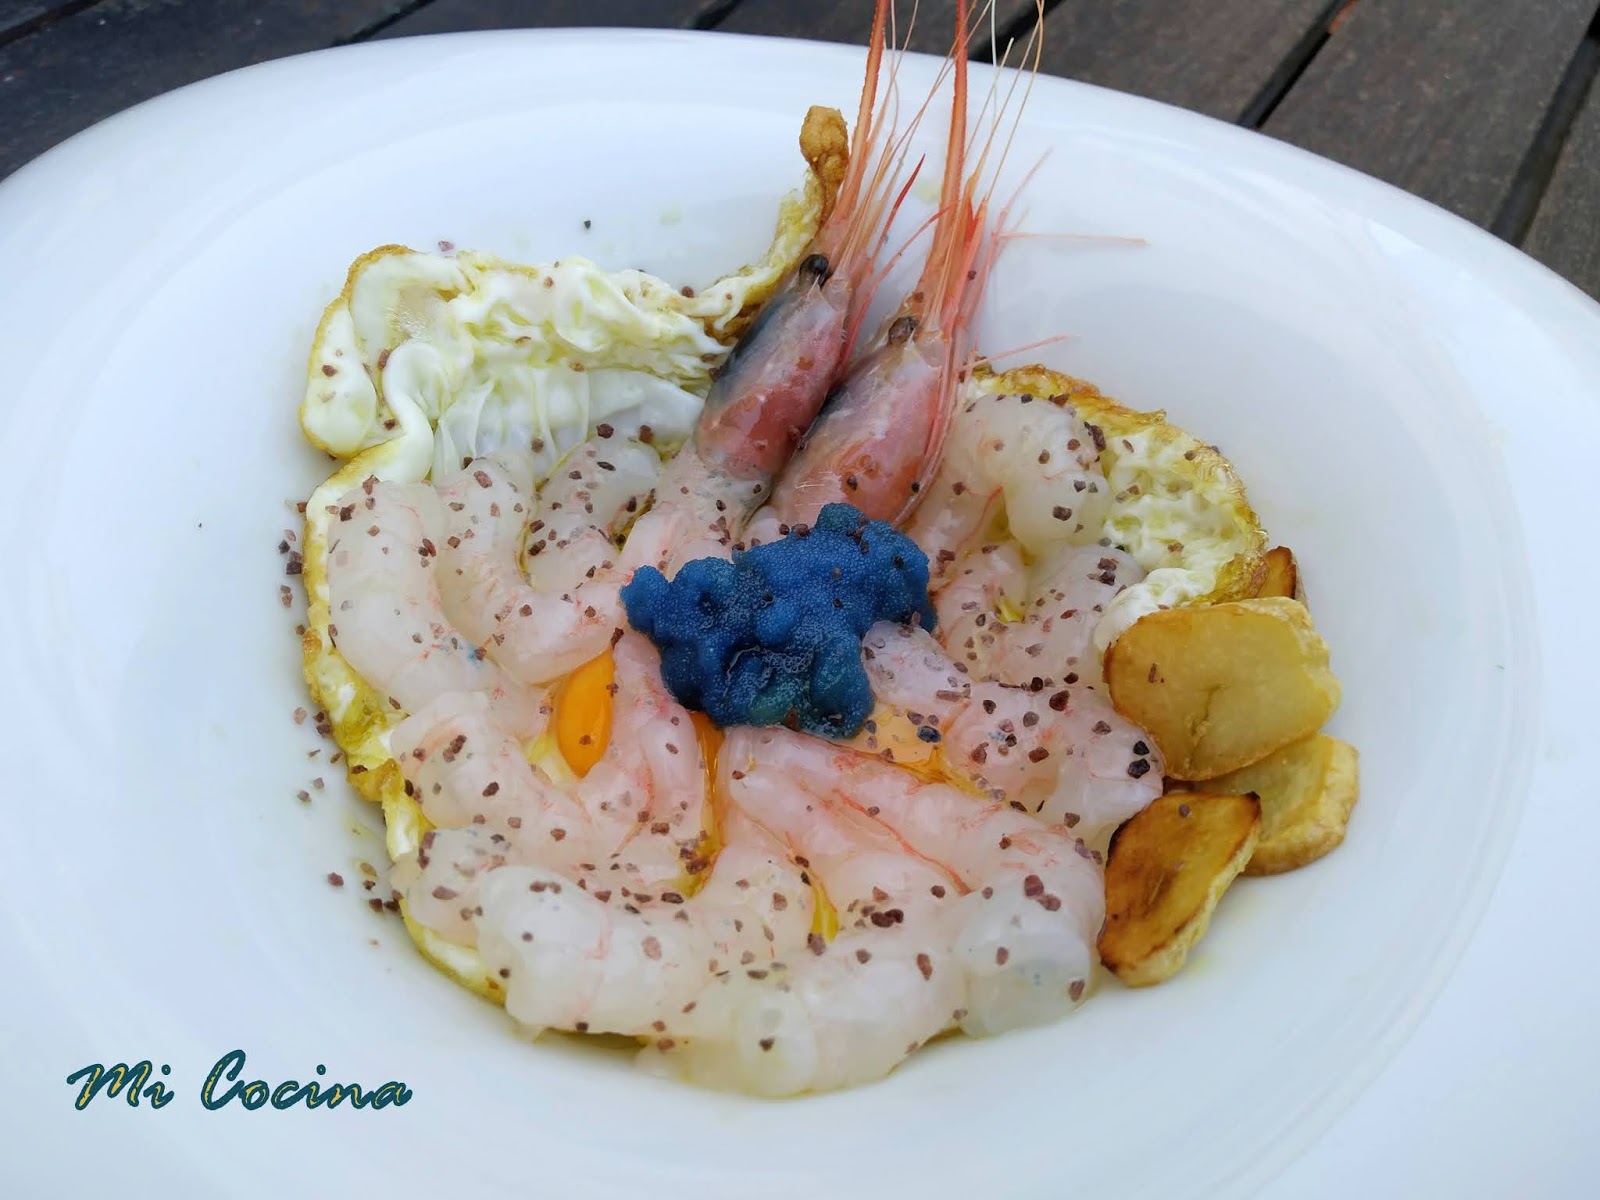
x=903 y=329
x=816 y=268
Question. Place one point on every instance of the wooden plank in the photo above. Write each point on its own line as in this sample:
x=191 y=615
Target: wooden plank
x=851 y=21
x=1213 y=57
x=74 y=72
x=18 y=15
x=1440 y=99
x=1565 y=234
x=453 y=16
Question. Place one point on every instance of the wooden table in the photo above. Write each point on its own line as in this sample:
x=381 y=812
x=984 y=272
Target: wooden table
x=1484 y=107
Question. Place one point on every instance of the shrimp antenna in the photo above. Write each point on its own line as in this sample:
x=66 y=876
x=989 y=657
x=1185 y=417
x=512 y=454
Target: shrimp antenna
x=901 y=47
x=891 y=159
x=870 y=292
x=975 y=212
x=1107 y=239
x=903 y=143
x=863 y=182
x=897 y=152
x=1053 y=340
x=1035 y=44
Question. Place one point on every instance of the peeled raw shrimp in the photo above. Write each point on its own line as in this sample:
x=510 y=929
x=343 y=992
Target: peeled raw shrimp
x=387 y=615
x=775 y=381
x=441 y=880
x=573 y=961
x=592 y=497
x=1062 y=753
x=1068 y=593
x=844 y=1011
x=817 y=1022
x=968 y=594
x=1055 y=606
x=986 y=920
x=1035 y=460
x=695 y=514
x=465 y=770
x=489 y=806
x=1030 y=469
x=651 y=783
x=635 y=829
x=542 y=628
x=1023 y=934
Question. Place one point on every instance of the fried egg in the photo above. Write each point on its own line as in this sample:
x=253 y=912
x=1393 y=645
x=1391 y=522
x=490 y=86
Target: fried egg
x=425 y=360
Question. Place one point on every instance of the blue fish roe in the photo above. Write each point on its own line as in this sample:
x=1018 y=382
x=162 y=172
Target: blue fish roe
x=774 y=637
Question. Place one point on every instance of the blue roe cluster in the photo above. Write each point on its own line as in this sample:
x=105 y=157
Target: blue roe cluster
x=774 y=637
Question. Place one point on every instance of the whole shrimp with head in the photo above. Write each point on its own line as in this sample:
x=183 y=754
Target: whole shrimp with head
x=776 y=379
x=882 y=431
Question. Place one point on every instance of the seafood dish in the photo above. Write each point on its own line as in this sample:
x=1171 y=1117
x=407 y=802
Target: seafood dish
x=780 y=689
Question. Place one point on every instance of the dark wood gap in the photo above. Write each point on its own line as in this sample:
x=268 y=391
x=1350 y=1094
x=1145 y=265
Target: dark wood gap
x=1294 y=64
x=43 y=20
x=1015 y=30
x=370 y=31
x=713 y=14
x=1533 y=175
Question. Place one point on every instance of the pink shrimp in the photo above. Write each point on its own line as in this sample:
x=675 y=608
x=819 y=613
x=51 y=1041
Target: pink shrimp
x=1061 y=752
x=954 y=911
x=540 y=629
x=881 y=434
x=776 y=379
x=574 y=961
x=389 y=619
x=1030 y=471
x=634 y=827
x=464 y=769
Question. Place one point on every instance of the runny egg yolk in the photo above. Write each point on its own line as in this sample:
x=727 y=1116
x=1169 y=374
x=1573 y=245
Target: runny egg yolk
x=709 y=739
x=824 y=916
x=583 y=713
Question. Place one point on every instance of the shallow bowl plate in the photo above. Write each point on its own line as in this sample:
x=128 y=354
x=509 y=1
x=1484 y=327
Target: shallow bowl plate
x=1386 y=379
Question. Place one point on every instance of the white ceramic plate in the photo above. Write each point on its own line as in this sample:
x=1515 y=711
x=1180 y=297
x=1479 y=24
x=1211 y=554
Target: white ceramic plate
x=1408 y=400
